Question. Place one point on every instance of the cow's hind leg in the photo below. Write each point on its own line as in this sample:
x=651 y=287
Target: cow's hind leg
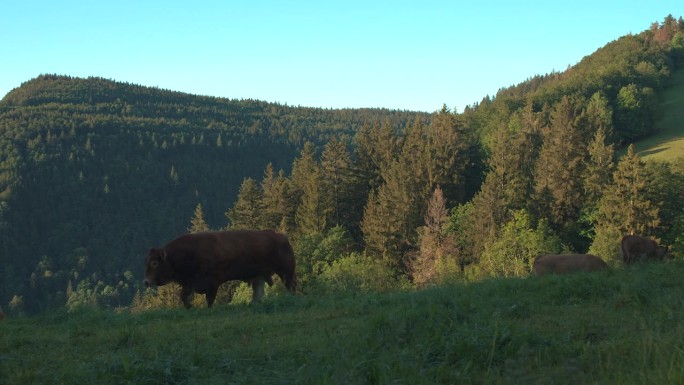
x=211 y=295
x=257 y=288
x=185 y=296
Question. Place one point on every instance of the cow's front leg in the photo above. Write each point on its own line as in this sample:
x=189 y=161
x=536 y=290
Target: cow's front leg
x=257 y=288
x=186 y=291
x=211 y=295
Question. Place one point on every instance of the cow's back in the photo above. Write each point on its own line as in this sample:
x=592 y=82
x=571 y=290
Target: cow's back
x=567 y=263
x=212 y=257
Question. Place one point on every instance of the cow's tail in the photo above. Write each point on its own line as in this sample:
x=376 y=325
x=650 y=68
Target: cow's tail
x=290 y=276
x=623 y=250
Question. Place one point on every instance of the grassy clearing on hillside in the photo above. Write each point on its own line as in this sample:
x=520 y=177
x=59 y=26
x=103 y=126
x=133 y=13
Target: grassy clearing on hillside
x=668 y=142
x=614 y=327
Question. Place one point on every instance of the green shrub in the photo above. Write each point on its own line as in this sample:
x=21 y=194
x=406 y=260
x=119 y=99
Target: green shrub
x=359 y=273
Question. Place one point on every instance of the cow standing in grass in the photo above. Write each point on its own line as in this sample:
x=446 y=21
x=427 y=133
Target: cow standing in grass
x=637 y=248
x=201 y=262
x=567 y=263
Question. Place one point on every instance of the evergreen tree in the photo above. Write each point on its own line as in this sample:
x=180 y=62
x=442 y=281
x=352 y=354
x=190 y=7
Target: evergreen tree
x=246 y=213
x=278 y=208
x=311 y=213
x=445 y=152
x=598 y=168
x=376 y=148
x=508 y=184
x=390 y=217
x=558 y=172
x=665 y=190
x=624 y=207
x=197 y=223
x=337 y=183
x=436 y=257
x=599 y=116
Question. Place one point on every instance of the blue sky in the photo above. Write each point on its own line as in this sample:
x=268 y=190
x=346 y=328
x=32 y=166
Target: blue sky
x=413 y=55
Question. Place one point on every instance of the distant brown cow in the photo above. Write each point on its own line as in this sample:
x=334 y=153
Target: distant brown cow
x=636 y=248
x=200 y=262
x=567 y=263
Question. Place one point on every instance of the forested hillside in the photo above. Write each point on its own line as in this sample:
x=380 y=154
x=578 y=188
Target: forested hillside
x=94 y=172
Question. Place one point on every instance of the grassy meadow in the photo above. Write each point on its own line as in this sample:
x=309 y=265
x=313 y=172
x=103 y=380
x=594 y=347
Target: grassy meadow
x=615 y=327
x=667 y=143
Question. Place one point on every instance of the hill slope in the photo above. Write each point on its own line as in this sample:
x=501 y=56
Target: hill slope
x=667 y=143
x=94 y=172
x=614 y=327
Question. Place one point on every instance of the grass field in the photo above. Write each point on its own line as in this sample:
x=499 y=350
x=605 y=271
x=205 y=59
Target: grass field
x=668 y=142
x=615 y=327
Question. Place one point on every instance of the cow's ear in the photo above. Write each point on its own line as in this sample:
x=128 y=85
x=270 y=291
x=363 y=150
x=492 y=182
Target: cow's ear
x=162 y=254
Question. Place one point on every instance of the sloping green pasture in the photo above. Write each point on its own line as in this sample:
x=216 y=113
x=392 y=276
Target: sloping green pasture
x=622 y=326
x=667 y=144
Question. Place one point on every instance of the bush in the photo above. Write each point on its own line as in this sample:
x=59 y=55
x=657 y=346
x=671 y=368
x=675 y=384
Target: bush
x=607 y=245
x=512 y=252
x=359 y=273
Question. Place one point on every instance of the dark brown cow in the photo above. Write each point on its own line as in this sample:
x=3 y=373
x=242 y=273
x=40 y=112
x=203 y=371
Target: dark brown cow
x=200 y=262
x=567 y=263
x=636 y=248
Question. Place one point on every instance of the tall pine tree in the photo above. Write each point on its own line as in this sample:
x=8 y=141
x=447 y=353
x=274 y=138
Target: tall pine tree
x=624 y=208
x=338 y=182
x=436 y=257
x=311 y=212
x=197 y=223
x=558 y=172
x=246 y=213
x=277 y=205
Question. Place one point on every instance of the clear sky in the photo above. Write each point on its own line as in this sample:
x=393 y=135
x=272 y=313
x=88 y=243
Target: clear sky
x=412 y=55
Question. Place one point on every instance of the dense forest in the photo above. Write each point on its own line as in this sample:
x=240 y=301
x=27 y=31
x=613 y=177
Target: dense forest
x=94 y=172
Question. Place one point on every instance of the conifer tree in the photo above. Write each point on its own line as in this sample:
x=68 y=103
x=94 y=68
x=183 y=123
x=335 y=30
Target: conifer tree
x=390 y=217
x=508 y=184
x=414 y=156
x=624 y=208
x=197 y=223
x=311 y=213
x=364 y=167
x=437 y=253
x=558 y=172
x=337 y=183
x=599 y=115
x=246 y=213
x=277 y=207
x=598 y=168
x=376 y=148
x=445 y=152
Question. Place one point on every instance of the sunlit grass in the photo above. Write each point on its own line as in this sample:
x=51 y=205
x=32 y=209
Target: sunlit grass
x=668 y=142
x=614 y=327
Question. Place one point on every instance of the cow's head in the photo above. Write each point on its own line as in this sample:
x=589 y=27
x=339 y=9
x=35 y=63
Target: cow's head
x=662 y=253
x=158 y=271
